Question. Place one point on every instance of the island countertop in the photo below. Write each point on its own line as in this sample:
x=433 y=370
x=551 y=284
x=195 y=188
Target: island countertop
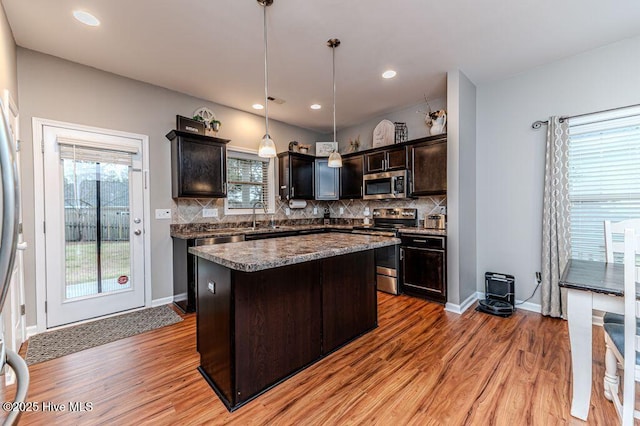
x=251 y=256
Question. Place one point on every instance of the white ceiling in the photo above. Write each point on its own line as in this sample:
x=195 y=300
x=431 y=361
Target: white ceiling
x=214 y=49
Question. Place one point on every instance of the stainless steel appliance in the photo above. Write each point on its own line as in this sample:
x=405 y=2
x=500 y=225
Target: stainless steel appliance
x=434 y=221
x=10 y=200
x=388 y=222
x=387 y=185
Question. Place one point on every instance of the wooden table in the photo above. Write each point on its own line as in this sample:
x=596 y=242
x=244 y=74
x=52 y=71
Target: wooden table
x=591 y=285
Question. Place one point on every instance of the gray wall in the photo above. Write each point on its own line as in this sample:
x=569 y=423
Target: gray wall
x=56 y=89
x=510 y=161
x=461 y=188
x=8 y=62
x=410 y=115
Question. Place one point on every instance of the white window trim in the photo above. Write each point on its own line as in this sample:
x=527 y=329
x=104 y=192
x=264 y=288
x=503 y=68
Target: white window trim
x=252 y=154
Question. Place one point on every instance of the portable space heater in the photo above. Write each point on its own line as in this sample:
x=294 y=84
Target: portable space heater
x=499 y=295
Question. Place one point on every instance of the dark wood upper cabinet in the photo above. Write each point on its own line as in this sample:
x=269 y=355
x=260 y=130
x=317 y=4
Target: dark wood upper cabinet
x=429 y=167
x=351 y=177
x=296 y=176
x=386 y=160
x=198 y=165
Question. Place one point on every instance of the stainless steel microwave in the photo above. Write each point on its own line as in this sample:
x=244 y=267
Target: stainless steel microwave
x=387 y=185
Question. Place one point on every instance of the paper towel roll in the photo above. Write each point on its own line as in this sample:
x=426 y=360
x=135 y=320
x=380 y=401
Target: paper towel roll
x=297 y=204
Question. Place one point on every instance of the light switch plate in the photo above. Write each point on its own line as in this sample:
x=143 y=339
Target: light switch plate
x=209 y=212
x=287 y=211
x=366 y=211
x=315 y=210
x=163 y=213
x=341 y=210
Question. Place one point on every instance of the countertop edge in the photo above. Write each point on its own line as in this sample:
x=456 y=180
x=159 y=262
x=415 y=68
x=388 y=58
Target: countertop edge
x=257 y=265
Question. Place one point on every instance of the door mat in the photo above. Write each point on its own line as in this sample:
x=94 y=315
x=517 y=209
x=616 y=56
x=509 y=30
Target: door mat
x=57 y=343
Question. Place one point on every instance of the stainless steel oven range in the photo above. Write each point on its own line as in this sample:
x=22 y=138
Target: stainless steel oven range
x=388 y=222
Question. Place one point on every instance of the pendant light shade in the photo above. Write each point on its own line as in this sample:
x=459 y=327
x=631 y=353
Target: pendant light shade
x=267 y=147
x=335 y=159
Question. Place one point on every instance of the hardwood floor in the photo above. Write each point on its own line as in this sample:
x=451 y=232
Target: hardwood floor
x=421 y=366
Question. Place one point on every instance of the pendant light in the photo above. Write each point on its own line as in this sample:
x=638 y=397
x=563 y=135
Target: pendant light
x=267 y=147
x=335 y=159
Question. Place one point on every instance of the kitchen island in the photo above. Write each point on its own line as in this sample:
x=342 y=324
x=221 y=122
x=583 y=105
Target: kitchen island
x=269 y=308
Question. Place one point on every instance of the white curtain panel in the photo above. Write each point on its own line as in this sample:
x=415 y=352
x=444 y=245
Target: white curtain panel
x=556 y=241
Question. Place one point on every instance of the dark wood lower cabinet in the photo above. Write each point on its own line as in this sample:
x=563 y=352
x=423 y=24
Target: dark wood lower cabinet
x=256 y=329
x=348 y=294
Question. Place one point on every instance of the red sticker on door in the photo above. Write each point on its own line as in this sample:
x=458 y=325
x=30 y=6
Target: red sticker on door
x=123 y=279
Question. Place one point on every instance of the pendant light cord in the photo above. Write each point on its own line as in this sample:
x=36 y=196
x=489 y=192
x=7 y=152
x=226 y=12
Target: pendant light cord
x=266 y=77
x=333 y=49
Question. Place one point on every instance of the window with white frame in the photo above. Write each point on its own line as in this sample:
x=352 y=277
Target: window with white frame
x=250 y=179
x=604 y=176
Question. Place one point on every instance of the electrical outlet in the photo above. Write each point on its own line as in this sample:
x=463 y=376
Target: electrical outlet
x=209 y=212
x=441 y=210
x=287 y=211
x=366 y=211
x=315 y=210
x=163 y=213
x=341 y=210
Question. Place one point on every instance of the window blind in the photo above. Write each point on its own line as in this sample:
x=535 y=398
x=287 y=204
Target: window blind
x=247 y=180
x=80 y=150
x=604 y=176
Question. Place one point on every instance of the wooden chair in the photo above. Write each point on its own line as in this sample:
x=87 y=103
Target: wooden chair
x=623 y=340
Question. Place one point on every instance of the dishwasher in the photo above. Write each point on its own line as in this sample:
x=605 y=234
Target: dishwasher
x=185 y=268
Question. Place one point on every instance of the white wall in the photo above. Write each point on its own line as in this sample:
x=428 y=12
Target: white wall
x=510 y=155
x=8 y=62
x=56 y=89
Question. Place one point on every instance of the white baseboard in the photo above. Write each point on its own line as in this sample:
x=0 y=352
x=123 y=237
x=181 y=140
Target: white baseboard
x=162 y=301
x=459 y=309
x=32 y=330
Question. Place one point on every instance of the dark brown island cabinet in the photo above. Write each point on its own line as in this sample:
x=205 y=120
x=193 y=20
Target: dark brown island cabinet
x=296 y=174
x=198 y=165
x=256 y=329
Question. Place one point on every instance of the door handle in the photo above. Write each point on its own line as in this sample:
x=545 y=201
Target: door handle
x=137 y=232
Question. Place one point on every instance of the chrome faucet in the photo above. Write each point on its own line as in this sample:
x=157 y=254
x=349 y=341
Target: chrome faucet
x=254 y=211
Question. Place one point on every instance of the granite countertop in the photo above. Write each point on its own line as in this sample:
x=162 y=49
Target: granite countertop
x=251 y=256
x=225 y=232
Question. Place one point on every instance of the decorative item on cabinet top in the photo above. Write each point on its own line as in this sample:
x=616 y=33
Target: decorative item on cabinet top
x=324 y=149
x=384 y=134
x=189 y=125
x=206 y=116
x=437 y=120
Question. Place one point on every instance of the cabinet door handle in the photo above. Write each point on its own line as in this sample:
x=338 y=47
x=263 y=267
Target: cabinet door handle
x=401 y=254
x=293 y=191
x=419 y=241
x=361 y=191
x=224 y=188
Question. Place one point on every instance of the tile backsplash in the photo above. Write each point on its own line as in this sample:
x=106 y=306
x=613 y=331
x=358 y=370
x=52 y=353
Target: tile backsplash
x=190 y=210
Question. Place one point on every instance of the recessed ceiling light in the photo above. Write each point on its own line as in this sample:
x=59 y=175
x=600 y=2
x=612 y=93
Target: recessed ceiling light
x=316 y=106
x=389 y=74
x=257 y=106
x=86 y=18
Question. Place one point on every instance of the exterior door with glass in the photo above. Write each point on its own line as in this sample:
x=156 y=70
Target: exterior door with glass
x=93 y=196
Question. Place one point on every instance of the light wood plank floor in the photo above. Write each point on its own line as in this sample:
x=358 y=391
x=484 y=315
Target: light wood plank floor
x=421 y=366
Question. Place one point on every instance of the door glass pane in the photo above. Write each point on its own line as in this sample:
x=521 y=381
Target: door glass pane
x=96 y=204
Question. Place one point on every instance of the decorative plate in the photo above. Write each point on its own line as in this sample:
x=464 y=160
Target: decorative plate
x=384 y=133
x=206 y=114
